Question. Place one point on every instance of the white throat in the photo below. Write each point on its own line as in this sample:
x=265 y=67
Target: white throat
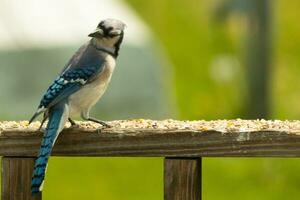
x=103 y=44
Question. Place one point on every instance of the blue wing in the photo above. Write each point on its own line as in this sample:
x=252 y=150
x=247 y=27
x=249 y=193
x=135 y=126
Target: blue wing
x=81 y=69
x=67 y=84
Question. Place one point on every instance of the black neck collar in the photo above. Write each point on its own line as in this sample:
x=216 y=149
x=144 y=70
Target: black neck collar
x=106 y=51
x=110 y=52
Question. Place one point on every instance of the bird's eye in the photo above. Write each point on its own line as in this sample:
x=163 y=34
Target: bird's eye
x=114 y=33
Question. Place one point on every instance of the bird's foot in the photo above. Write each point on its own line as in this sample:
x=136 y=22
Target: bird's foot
x=104 y=124
x=74 y=126
x=73 y=123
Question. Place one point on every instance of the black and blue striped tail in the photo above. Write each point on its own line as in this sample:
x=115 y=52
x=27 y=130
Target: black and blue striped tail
x=58 y=116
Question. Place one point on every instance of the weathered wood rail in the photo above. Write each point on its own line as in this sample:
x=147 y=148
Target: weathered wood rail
x=182 y=143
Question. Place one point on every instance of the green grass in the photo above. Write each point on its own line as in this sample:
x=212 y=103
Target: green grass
x=104 y=178
x=251 y=178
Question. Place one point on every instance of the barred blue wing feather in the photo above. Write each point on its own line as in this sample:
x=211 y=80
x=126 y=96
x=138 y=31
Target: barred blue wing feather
x=67 y=84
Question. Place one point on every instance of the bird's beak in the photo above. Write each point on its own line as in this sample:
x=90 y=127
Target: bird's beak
x=97 y=33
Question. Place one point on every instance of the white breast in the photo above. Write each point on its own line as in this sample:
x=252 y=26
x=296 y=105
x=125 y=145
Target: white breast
x=82 y=101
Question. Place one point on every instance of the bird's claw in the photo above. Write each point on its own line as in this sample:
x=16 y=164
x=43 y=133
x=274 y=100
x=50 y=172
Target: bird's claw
x=104 y=125
x=74 y=126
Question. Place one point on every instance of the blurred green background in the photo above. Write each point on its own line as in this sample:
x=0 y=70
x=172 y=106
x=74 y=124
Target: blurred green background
x=215 y=59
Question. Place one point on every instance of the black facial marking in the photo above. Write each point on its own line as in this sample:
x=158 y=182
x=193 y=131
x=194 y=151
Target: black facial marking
x=118 y=44
x=101 y=24
x=107 y=30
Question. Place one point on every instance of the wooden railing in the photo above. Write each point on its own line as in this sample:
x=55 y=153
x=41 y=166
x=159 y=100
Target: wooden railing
x=182 y=143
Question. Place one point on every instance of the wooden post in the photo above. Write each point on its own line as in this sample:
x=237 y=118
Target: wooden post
x=258 y=58
x=16 y=178
x=182 y=179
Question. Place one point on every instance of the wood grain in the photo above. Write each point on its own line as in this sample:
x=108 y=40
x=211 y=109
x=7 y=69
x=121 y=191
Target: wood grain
x=233 y=141
x=182 y=178
x=16 y=178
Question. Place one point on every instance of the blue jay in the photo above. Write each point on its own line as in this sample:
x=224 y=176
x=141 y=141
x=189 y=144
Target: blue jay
x=80 y=85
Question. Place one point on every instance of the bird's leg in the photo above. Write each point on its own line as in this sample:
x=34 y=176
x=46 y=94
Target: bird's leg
x=43 y=121
x=73 y=123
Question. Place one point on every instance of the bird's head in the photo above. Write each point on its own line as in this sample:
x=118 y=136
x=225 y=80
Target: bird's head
x=109 y=33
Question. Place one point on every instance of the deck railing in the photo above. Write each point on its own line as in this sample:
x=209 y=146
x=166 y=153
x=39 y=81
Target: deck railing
x=181 y=143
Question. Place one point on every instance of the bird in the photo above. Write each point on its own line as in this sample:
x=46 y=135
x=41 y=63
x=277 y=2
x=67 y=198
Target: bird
x=77 y=89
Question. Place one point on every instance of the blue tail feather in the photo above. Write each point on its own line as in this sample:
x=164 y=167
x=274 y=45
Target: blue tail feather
x=58 y=116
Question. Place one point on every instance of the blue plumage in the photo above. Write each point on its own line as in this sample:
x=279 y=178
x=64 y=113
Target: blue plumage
x=54 y=126
x=80 y=85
